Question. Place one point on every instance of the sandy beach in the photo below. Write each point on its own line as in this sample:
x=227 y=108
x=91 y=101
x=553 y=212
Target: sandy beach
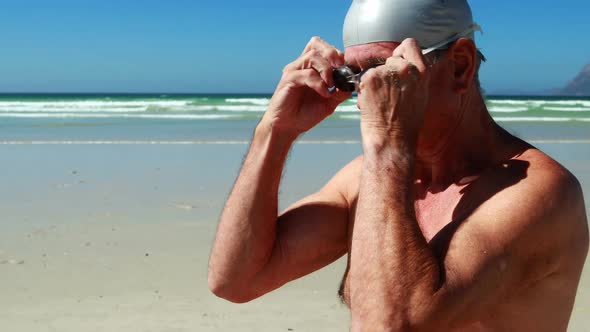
x=117 y=238
x=91 y=245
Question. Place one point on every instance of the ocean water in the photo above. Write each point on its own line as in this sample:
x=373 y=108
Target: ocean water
x=201 y=119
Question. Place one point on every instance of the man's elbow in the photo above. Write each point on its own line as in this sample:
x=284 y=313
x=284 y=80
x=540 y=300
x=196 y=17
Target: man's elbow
x=227 y=291
x=394 y=322
x=397 y=325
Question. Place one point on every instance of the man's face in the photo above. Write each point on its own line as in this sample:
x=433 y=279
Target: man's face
x=361 y=57
x=440 y=113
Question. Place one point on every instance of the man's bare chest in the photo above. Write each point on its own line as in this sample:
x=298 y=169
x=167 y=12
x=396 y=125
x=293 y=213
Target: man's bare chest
x=434 y=210
x=439 y=215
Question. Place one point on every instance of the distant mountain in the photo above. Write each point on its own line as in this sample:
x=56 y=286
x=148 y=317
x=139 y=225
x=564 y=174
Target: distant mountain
x=580 y=86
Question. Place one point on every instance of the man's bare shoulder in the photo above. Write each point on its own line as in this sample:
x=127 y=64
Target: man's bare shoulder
x=560 y=196
x=531 y=178
x=524 y=234
x=536 y=204
x=547 y=181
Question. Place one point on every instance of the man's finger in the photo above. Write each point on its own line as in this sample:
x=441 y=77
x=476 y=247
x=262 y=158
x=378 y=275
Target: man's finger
x=334 y=56
x=309 y=78
x=397 y=62
x=411 y=51
x=315 y=43
x=313 y=60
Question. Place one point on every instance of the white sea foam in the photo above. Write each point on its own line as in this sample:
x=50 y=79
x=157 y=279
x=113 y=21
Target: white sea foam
x=500 y=109
x=540 y=103
x=240 y=108
x=123 y=116
x=509 y=102
x=65 y=110
x=584 y=103
x=226 y=108
x=347 y=108
x=255 y=101
x=350 y=117
x=203 y=108
x=567 y=109
x=94 y=103
x=91 y=106
x=236 y=107
x=505 y=119
x=540 y=119
x=121 y=108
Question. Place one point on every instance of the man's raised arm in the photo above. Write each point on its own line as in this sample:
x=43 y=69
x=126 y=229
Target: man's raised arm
x=531 y=233
x=255 y=250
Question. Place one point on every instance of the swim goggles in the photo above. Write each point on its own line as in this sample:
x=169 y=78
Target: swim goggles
x=346 y=79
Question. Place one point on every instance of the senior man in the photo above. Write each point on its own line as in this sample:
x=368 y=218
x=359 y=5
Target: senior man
x=449 y=222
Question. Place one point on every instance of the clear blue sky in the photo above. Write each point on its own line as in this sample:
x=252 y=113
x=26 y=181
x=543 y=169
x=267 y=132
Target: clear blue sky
x=241 y=46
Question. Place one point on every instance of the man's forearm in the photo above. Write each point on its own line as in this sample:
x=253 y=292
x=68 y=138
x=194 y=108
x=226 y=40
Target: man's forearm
x=392 y=267
x=246 y=233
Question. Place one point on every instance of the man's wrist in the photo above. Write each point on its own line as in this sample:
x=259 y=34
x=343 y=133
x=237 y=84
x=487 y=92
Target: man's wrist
x=272 y=139
x=390 y=152
x=379 y=142
x=267 y=127
x=400 y=159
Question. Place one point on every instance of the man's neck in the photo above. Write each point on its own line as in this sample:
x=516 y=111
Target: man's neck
x=475 y=143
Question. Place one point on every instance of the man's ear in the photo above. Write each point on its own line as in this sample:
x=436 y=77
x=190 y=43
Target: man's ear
x=463 y=54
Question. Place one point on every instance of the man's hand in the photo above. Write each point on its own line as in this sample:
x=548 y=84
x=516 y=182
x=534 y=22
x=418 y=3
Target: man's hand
x=393 y=97
x=302 y=98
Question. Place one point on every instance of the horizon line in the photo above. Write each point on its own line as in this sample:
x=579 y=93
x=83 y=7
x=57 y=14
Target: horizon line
x=131 y=93
x=102 y=93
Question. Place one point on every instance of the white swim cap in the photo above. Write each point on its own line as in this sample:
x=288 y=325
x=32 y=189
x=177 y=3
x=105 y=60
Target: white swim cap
x=433 y=23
